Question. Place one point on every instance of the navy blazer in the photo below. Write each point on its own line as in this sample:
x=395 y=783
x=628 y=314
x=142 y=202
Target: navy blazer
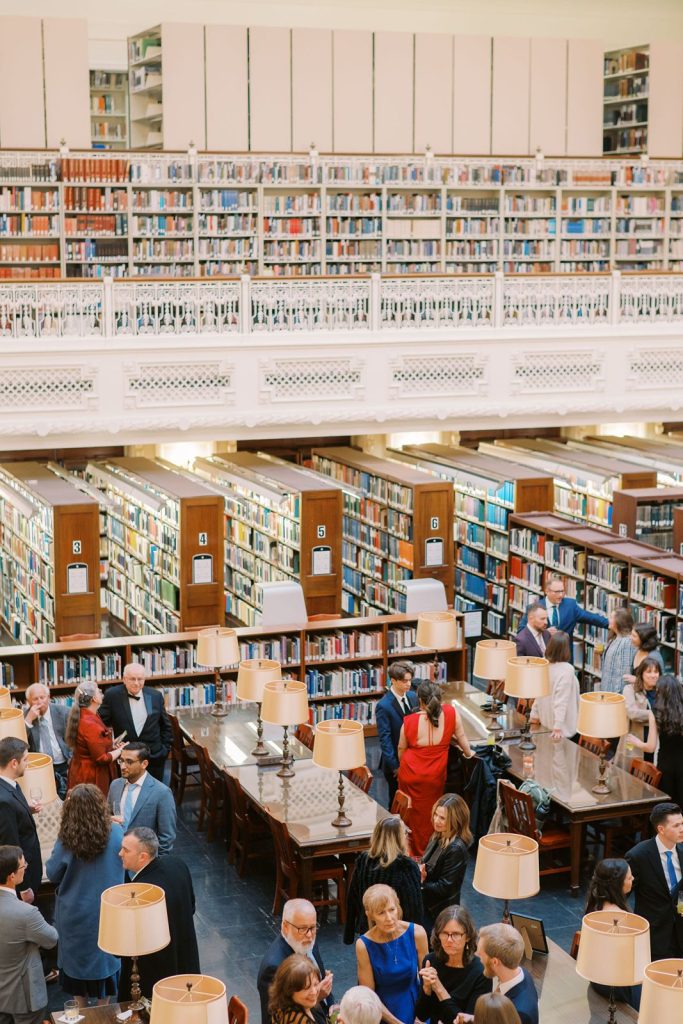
x=18 y=828
x=654 y=900
x=156 y=732
x=527 y=644
x=570 y=614
x=278 y=951
x=525 y=999
x=389 y=718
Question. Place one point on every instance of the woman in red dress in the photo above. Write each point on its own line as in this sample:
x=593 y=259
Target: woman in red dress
x=91 y=741
x=423 y=756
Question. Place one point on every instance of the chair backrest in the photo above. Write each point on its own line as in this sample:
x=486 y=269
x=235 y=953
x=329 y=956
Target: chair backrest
x=304 y=734
x=401 y=804
x=645 y=771
x=238 y=802
x=425 y=596
x=206 y=772
x=178 y=738
x=361 y=777
x=284 y=850
x=594 y=745
x=574 y=951
x=283 y=604
x=237 y=1011
x=519 y=811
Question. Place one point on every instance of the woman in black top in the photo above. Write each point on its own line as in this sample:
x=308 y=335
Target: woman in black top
x=452 y=976
x=445 y=858
x=666 y=729
x=386 y=863
x=293 y=994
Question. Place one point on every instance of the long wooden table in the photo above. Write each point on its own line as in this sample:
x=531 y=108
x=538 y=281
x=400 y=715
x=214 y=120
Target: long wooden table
x=569 y=772
x=231 y=739
x=566 y=998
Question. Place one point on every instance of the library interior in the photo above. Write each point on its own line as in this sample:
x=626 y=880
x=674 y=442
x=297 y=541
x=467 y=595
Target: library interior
x=341 y=511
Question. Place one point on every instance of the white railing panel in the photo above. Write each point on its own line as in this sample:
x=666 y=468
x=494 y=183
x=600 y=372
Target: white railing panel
x=176 y=307
x=52 y=310
x=436 y=302
x=560 y=301
x=311 y=305
x=651 y=299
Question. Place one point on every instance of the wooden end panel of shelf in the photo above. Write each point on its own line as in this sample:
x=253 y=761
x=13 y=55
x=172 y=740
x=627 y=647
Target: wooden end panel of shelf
x=321 y=527
x=77 y=543
x=535 y=495
x=638 y=478
x=201 y=534
x=433 y=519
x=678 y=530
x=624 y=514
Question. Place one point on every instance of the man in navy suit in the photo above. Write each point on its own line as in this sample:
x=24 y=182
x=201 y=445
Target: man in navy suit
x=532 y=638
x=657 y=866
x=17 y=827
x=397 y=702
x=141 y=714
x=298 y=935
x=565 y=613
x=500 y=949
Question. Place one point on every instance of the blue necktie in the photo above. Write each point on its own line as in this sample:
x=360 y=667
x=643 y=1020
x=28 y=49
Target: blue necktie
x=554 y=617
x=128 y=806
x=671 y=871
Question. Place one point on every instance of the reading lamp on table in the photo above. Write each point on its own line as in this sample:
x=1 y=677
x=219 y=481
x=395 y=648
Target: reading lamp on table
x=527 y=678
x=491 y=662
x=216 y=648
x=285 y=703
x=662 y=995
x=189 y=999
x=252 y=676
x=437 y=631
x=507 y=869
x=614 y=950
x=339 y=744
x=602 y=716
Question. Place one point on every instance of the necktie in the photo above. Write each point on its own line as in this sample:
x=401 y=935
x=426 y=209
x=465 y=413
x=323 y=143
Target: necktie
x=128 y=805
x=405 y=705
x=40 y=737
x=554 y=617
x=541 y=642
x=132 y=697
x=671 y=871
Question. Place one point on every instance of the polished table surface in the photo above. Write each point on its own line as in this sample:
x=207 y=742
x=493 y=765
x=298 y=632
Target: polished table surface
x=230 y=740
x=479 y=724
x=99 y=1014
x=566 y=998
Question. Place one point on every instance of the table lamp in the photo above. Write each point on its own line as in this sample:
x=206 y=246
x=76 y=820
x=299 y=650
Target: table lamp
x=528 y=678
x=285 y=703
x=614 y=950
x=662 y=996
x=339 y=744
x=189 y=999
x=252 y=676
x=602 y=715
x=217 y=647
x=491 y=662
x=507 y=868
x=133 y=922
x=38 y=781
x=5 y=698
x=437 y=631
x=12 y=724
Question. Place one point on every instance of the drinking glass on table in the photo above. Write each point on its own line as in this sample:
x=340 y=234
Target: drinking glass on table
x=71 y=1010
x=36 y=794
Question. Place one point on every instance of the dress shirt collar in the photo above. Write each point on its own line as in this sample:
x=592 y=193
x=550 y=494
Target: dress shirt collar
x=505 y=986
x=11 y=782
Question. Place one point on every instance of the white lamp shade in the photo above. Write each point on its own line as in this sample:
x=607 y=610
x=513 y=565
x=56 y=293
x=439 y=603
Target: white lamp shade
x=252 y=676
x=491 y=658
x=217 y=647
x=133 y=920
x=614 y=948
x=189 y=999
x=285 y=702
x=340 y=744
x=39 y=775
x=12 y=724
x=662 y=997
x=527 y=677
x=5 y=698
x=437 y=631
x=507 y=866
x=602 y=715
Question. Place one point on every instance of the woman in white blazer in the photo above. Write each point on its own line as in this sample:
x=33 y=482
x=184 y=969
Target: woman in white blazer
x=559 y=711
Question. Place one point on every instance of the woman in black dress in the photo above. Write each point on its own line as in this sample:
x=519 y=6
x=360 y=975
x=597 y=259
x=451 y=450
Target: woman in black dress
x=445 y=859
x=452 y=975
x=666 y=729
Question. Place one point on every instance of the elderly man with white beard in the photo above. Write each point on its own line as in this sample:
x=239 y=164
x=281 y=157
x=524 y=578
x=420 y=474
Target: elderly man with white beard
x=298 y=934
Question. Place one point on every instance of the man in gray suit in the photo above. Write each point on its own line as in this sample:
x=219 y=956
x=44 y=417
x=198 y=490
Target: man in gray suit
x=138 y=800
x=45 y=726
x=24 y=932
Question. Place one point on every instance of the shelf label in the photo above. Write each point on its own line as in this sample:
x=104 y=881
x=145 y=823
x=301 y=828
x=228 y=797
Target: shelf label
x=203 y=540
x=622 y=530
x=435 y=523
x=77 y=577
x=202 y=568
x=321 y=532
x=322 y=560
x=76 y=547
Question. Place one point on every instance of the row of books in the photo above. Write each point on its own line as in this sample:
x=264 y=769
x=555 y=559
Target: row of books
x=343 y=681
x=82 y=198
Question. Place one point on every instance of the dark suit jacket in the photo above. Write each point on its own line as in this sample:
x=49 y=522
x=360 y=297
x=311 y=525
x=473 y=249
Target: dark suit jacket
x=181 y=956
x=156 y=732
x=154 y=808
x=59 y=714
x=654 y=901
x=278 y=951
x=389 y=719
x=18 y=828
x=445 y=873
x=525 y=999
x=570 y=614
x=527 y=644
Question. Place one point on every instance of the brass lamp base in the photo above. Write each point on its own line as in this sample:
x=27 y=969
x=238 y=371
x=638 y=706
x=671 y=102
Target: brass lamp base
x=135 y=992
x=260 y=750
x=601 y=787
x=341 y=821
x=286 y=772
x=220 y=708
x=526 y=742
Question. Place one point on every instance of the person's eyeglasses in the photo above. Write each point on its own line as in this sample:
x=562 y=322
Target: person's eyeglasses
x=303 y=930
x=128 y=760
x=452 y=936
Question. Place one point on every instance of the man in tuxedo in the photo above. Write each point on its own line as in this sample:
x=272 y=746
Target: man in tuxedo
x=45 y=725
x=141 y=714
x=298 y=935
x=139 y=854
x=657 y=866
x=531 y=641
x=137 y=799
x=17 y=827
x=500 y=949
x=564 y=613
x=397 y=702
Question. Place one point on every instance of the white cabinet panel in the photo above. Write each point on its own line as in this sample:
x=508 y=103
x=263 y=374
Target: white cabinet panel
x=472 y=94
x=433 y=92
x=270 y=93
x=311 y=89
x=510 y=104
x=227 y=87
x=393 y=92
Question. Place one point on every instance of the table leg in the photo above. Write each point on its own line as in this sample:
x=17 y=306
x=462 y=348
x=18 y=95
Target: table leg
x=576 y=844
x=306 y=877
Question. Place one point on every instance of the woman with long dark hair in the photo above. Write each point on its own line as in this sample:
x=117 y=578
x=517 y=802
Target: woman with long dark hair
x=91 y=740
x=85 y=862
x=610 y=885
x=452 y=974
x=639 y=697
x=666 y=730
x=293 y=997
x=444 y=862
x=645 y=643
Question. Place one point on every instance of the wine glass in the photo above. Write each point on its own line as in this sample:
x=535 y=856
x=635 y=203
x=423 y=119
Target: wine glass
x=36 y=794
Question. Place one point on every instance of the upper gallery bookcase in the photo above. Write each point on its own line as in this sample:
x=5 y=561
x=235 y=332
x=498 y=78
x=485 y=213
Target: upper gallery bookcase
x=146 y=90
x=625 y=103
x=108 y=109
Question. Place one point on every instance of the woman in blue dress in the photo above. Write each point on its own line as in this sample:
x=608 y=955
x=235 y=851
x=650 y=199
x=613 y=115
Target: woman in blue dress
x=390 y=953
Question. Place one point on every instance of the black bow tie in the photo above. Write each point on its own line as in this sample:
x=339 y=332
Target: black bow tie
x=133 y=697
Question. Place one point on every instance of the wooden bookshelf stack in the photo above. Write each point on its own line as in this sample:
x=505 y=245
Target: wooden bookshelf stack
x=49 y=555
x=30 y=224
x=647 y=514
x=625 y=100
x=109 y=109
x=145 y=84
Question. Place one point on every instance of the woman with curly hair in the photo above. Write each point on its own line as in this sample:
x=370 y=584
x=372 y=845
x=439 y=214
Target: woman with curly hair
x=90 y=739
x=85 y=862
x=666 y=730
x=452 y=975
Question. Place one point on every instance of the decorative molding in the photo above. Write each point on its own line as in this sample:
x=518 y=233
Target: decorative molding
x=559 y=371
x=464 y=374
x=153 y=385
x=658 y=368
x=297 y=380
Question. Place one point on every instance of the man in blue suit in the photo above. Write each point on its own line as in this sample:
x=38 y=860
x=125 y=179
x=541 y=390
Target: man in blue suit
x=138 y=800
x=565 y=613
x=397 y=702
x=500 y=949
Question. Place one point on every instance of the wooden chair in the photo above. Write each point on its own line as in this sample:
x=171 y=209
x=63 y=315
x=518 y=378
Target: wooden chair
x=401 y=804
x=212 y=806
x=237 y=1011
x=247 y=830
x=288 y=876
x=524 y=704
x=183 y=762
x=304 y=734
x=574 y=951
x=521 y=818
x=594 y=745
x=361 y=777
x=626 y=828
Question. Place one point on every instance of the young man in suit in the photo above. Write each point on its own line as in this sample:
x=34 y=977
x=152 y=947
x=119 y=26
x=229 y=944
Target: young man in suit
x=397 y=702
x=24 y=932
x=138 y=799
x=564 y=613
x=500 y=949
x=298 y=935
x=141 y=714
x=17 y=827
x=532 y=639
x=657 y=866
x=45 y=725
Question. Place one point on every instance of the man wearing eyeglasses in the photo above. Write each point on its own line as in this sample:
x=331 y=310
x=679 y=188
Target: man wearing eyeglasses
x=564 y=613
x=298 y=934
x=139 y=800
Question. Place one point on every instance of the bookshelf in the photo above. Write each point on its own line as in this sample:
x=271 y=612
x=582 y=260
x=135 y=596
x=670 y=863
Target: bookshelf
x=109 y=109
x=95 y=219
x=145 y=89
x=30 y=229
x=647 y=514
x=398 y=528
x=354 y=229
x=280 y=524
x=625 y=100
x=292 y=231
x=164 y=536
x=49 y=555
x=650 y=453
x=344 y=663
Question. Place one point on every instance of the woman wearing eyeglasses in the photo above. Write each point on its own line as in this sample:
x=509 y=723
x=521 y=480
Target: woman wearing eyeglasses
x=452 y=975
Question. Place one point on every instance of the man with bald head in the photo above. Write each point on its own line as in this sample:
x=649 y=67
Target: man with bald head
x=298 y=934
x=45 y=726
